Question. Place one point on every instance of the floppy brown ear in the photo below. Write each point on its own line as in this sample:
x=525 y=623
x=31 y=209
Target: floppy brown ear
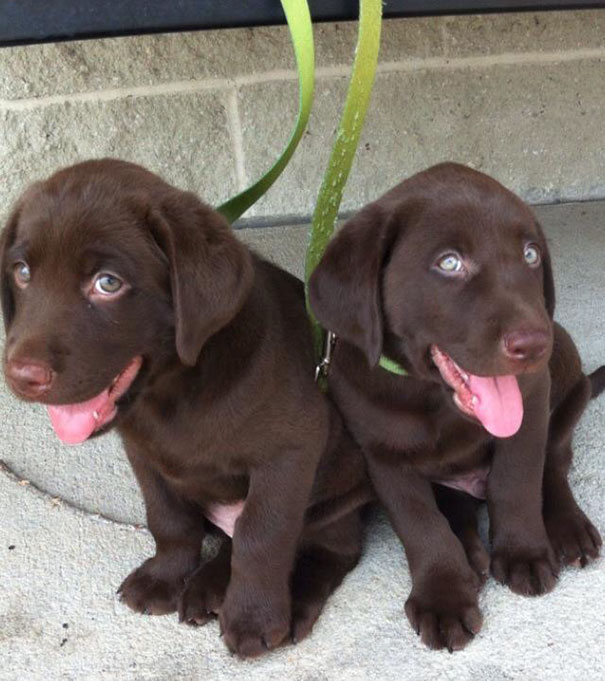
x=548 y=283
x=211 y=272
x=6 y=295
x=345 y=288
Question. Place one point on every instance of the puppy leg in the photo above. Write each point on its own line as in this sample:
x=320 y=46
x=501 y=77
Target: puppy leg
x=256 y=612
x=325 y=557
x=460 y=509
x=573 y=537
x=178 y=530
x=205 y=589
x=443 y=605
x=522 y=556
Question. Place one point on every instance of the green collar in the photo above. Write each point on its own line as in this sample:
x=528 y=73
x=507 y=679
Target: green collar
x=392 y=366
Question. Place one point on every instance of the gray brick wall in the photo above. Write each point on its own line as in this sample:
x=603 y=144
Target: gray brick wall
x=519 y=96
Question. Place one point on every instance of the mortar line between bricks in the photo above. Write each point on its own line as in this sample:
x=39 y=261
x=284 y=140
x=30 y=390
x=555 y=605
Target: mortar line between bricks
x=237 y=139
x=445 y=38
x=173 y=88
x=323 y=72
x=59 y=502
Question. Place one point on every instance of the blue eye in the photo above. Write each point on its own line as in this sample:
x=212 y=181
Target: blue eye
x=531 y=253
x=450 y=262
x=22 y=274
x=106 y=284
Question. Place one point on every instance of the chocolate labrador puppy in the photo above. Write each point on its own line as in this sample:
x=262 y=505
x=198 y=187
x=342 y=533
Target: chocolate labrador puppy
x=448 y=278
x=131 y=304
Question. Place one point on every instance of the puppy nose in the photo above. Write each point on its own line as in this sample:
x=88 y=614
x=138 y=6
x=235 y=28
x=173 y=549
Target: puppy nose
x=526 y=346
x=29 y=379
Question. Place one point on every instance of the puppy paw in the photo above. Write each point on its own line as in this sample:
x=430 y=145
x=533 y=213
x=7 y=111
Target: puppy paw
x=574 y=539
x=252 y=626
x=444 y=611
x=204 y=593
x=152 y=589
x=528 y=571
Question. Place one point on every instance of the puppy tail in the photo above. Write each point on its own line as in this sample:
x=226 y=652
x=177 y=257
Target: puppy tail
x=597 y=381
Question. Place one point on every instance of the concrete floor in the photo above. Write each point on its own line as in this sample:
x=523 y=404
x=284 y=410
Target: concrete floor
x=60 y=562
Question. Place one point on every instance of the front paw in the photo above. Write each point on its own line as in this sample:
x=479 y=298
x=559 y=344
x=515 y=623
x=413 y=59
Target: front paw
x=253 y=622
x=528 y=570
x=443 y=608
x=153 y=588
x=575 y=540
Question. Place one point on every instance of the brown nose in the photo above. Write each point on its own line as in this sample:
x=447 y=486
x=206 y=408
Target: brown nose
x=29 y=379
x=526 y=346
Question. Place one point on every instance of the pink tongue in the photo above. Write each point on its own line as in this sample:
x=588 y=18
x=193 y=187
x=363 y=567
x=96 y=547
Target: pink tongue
x=75 y=423
x=499 y=405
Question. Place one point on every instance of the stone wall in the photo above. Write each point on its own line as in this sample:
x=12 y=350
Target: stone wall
x=519 y=96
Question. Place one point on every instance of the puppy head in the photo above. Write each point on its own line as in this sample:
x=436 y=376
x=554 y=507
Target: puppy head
x=106 y=271
x=449 y=272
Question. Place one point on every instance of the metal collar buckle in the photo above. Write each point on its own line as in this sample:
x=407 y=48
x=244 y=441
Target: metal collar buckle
x=323 y=368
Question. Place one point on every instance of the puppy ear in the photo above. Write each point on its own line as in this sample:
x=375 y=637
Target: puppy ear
x=6 y=295
x=211 y=272
x=548 y=283
x=345 y=288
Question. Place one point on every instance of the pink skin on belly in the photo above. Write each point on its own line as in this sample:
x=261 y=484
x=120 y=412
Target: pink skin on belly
x=474 y=482
x=224 y=515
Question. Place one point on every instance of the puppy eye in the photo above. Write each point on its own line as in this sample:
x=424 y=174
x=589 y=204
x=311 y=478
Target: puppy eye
x=107 y=284
x=450 y=263
x=531 y=253
x=22 y=274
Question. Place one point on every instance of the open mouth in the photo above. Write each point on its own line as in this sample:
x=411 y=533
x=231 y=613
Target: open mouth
x=75 y=423
x=495 y=401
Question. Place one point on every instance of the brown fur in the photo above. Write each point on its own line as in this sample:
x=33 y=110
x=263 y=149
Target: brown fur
x=377 y=289
x=224 y=407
